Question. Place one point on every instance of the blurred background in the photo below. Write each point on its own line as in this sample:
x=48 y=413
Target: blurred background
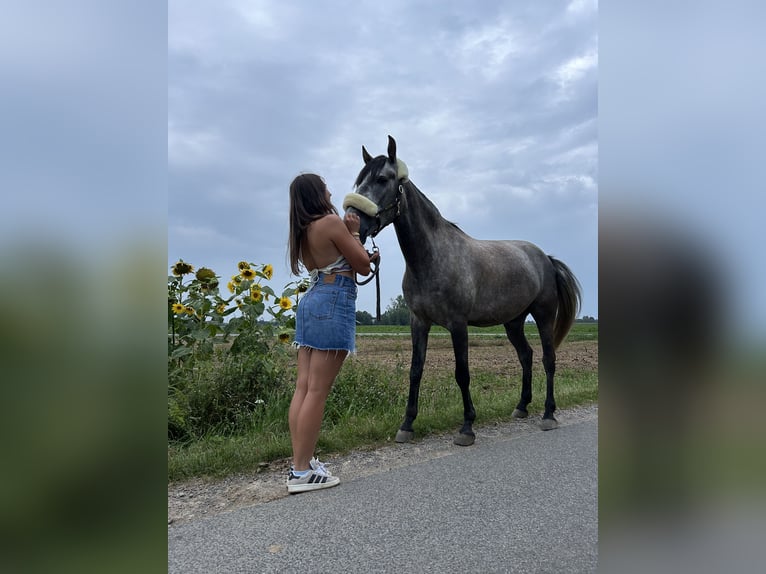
x=682 y=314
x=83 y=151
x=82 y=296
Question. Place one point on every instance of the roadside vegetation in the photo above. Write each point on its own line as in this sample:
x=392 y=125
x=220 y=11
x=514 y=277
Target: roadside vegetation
x=228 y=396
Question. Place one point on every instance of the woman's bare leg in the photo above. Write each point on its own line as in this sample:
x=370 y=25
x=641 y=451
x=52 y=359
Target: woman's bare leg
x=301 y=387
x=316 y=373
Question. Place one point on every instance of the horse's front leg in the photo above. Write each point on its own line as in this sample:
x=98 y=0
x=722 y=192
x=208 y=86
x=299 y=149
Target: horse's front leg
x=466 y=437
x=419 y=331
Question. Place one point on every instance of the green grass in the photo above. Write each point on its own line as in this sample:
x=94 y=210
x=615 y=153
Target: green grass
x=366 y=406
x=495 y=397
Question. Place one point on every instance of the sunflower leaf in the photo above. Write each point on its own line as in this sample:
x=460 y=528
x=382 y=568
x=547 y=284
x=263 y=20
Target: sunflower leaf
x=181 y=352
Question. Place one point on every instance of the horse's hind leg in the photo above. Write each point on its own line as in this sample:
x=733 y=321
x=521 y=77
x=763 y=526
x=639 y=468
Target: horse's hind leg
x=459 y=333
x=515 y=332
x=549 y=364
x=419 y=331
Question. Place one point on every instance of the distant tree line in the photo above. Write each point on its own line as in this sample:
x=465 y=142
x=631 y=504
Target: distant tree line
x=397 y=313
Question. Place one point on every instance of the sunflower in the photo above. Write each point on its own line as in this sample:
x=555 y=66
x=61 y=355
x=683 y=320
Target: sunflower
x=268 y=271
x=204 y=274
x=285 y=303
x=178 y=308
x=256 y=296
x=243 y=265
x=221 y=309
x=230 y=286
x=284 y=337
x=189 y=310
x=181 y=268
x=247 y=274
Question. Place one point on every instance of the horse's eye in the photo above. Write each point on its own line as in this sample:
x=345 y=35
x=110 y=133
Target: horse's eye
x=381 y=179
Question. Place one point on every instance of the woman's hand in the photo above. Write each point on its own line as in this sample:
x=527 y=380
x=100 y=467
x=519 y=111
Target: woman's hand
x=352 y=222
x=374 y=256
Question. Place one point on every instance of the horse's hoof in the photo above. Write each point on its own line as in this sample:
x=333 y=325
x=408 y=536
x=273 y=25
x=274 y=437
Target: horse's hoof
x=519 y=414
x=464 y=439
x=404 y=436
x=549 y=424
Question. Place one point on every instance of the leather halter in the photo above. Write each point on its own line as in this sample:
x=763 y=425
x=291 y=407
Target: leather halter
x=395 y=204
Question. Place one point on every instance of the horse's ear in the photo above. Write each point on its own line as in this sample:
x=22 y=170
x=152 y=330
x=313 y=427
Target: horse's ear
x=366 y=156
x=391 y=149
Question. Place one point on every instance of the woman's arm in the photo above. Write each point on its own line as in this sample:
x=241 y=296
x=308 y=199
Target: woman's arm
x=342 y=235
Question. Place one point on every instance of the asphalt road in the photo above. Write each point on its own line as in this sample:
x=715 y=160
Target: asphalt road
x=520 y=504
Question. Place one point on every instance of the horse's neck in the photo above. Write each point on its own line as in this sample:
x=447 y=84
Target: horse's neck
x=419 y=230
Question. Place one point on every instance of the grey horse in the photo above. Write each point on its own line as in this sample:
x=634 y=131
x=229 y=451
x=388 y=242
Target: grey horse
x=454 y=280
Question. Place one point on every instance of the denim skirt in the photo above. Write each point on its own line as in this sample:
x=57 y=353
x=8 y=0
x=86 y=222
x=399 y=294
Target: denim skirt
x=326 y=315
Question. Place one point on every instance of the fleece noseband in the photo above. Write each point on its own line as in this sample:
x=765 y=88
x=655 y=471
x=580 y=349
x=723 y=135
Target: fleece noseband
x=360 y=202
x=370 y=208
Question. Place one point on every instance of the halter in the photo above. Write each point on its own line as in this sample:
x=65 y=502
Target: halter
x=374 y=275
x=370 y=208
x=349 y=201
x=395 y=204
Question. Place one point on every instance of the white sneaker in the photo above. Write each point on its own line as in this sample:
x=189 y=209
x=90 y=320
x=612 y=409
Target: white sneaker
x=317 y=464
x=314 y=479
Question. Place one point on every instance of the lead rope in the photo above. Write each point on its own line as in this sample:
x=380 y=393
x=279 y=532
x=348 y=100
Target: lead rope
x=375 y=249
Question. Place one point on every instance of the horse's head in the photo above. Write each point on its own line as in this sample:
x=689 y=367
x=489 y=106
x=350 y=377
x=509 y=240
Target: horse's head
x=379 y=190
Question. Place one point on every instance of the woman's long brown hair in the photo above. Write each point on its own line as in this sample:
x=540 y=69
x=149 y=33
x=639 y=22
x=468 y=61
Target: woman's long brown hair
x=308 y=202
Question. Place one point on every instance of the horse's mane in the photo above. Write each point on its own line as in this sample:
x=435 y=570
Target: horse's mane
x=434 y=210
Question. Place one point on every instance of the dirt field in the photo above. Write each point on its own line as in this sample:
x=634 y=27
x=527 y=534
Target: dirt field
x=485 y=353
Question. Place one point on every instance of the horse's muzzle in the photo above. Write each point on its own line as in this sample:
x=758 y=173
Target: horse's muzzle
x=367 y=211
x=368 y=226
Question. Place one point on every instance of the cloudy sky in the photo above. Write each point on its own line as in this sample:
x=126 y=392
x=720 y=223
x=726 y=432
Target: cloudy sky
x=493 y=105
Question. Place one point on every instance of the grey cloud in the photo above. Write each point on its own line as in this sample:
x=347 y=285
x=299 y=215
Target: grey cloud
x=468 y=91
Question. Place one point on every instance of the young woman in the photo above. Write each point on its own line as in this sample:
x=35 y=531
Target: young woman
x=330 y=249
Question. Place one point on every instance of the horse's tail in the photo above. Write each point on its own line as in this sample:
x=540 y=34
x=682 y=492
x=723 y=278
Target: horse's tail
x=570 y=298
